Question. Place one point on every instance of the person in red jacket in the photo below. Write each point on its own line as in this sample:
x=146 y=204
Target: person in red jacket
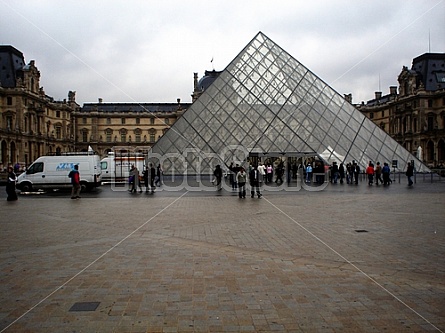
x=370 y=173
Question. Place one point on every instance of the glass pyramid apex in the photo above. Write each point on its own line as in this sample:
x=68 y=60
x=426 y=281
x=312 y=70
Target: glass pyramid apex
x=265 y=102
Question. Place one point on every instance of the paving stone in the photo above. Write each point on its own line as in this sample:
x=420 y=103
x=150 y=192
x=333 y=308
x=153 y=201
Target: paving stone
x=201 y=262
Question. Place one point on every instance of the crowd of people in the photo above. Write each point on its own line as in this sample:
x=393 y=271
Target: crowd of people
x=150 y=175
x=313 y=172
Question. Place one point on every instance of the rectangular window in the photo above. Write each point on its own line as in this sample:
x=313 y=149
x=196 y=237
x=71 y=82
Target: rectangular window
x=85 y=136
x=58 y=132
x=371 y=115
x=383 y=113
x=430 y=103
x=123 y=121
x=58 y=114
x=123 y=137
x=152 y=121
x=9 y=100
x=167 y=121
x=152 y=137
x=9 y=123
x=84 y=119
x=430 y=123
x=138 y=121
x=138 y=137
x=109 y=136
x=108 y=121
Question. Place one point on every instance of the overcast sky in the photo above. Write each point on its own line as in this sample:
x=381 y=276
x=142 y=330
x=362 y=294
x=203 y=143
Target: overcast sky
x=147 y=51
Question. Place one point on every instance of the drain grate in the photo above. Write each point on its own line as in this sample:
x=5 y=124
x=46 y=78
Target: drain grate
x=361 y=230
x=85 y=306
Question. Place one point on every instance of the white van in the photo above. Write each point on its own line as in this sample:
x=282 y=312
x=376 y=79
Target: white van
x=117 y=167
x=51 y=172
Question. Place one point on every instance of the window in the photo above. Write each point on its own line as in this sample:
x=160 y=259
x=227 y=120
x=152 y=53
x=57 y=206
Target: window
x=152 y=137
x=108 y=121
x=167 y=121
x=383 y=113
x=430 y=103
x=9 y=122
x=109 y=134
x=84 y=120
x=58 y=114
x=137 y=134
x=371 y=115
x=414 y=125
x=9 y=100
x=123 y=121
x=123 y=133
x=84 y=136
x=430 y=123
x=58 y=132
x=152 y=121
x=440 y=77
x=138 y=121
x=36 y=167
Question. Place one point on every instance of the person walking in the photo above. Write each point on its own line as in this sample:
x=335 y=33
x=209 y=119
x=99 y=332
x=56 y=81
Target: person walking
x=134 y=174
x=356 y=170
x=218 y=177
x=334 y=172
x=279 y=171
x=308 y=173
x=269 y=172
x=410 y=173
x=241 y=179
x=341 y=172
x=254 y=178
x=158 y=180
x=370 y=173
x=349 y=173
x=145 y=175
x=378 y=173
x=10 y=185
x=75 y=182
x=152 y=178
x=386 y=174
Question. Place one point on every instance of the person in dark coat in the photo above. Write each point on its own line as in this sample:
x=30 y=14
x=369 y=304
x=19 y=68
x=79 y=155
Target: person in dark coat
x=254 y=179
x=410 y=173
x=10 y=185
x=341 y=172
x=218 y=177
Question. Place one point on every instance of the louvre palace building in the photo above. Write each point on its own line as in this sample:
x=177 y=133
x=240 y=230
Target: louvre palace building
x=33 y=124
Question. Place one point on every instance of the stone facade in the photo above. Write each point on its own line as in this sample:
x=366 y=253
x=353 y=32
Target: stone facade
x=31 y=123
x=415 y=116
x=135 y=126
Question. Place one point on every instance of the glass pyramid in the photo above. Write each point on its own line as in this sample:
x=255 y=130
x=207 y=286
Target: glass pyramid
x=267 y=103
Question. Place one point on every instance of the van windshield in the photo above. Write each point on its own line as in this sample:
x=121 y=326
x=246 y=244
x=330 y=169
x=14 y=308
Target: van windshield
x=36 y=167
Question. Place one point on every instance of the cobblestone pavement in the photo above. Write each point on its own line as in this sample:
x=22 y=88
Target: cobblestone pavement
x=345 y=259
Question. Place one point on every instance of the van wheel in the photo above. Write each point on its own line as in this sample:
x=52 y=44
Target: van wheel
x=26 y=187
x=83 y=187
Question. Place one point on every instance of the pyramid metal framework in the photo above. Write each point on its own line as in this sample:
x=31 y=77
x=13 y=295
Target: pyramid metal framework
x=266 y=103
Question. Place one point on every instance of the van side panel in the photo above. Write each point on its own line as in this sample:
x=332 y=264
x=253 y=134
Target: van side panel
x=56 y=170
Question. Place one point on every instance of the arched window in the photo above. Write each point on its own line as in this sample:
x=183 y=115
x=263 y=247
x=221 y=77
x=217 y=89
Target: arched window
x=123 y=133
x=430 y=151
x=137 y=134
x=441 y=151
x=108 y=134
